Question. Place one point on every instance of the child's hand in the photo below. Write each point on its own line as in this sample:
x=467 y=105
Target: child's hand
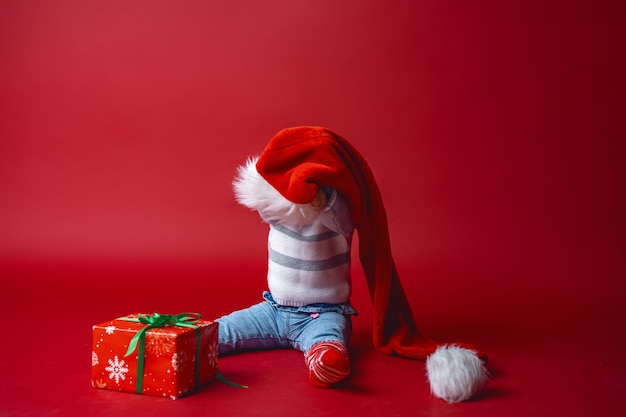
x=321 y=199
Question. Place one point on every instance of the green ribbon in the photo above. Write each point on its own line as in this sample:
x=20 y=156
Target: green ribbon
x=222 y=379
x=154 y=321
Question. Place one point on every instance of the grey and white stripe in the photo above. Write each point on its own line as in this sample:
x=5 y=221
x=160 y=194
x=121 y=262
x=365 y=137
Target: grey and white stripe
x=308 y=265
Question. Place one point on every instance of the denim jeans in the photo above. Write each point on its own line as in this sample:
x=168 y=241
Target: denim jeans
x=268 y=325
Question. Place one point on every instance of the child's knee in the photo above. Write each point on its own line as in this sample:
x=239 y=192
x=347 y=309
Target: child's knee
x=326 y=327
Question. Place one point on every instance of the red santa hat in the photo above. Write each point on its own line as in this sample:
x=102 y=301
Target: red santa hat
x=298 y=160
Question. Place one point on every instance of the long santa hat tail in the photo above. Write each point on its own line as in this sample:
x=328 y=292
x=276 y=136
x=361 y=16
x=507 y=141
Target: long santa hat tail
x=298 y=160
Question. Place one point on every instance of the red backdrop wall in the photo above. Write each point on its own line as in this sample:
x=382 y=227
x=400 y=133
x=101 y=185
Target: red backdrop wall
x=495 y=130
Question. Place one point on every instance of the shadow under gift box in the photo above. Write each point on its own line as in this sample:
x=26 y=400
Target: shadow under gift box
x=177 y=358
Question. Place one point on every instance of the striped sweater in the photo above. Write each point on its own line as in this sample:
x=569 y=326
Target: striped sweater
x=310 y=263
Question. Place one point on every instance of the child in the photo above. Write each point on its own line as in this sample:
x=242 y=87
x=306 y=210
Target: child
x=307 y=307
x=313 y=189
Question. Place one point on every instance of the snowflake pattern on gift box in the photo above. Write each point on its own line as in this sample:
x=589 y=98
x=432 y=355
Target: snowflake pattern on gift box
x=178 y=361
x=109 y=329
x=159 y=343
x=98 y=383
x=117 y=369
x=211 y=356
x=94 y=359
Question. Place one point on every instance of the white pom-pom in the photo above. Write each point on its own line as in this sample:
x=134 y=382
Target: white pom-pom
x=254 y=192
x=455 y=373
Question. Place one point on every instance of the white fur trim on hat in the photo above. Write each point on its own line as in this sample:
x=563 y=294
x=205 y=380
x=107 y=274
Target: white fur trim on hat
x=254 y=192
x=455 y=373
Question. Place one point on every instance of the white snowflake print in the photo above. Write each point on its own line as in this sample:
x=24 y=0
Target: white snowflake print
x=117 y=369
x=109 y=329
x=94 y=359
x=211 y=355
x=178 y=361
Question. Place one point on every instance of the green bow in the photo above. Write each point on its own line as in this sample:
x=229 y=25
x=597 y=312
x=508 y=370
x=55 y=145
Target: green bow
x=160 y=320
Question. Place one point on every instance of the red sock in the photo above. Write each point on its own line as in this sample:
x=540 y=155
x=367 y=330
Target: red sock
x=328 y=363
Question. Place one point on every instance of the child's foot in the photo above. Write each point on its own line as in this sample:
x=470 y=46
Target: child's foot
x=328 y=363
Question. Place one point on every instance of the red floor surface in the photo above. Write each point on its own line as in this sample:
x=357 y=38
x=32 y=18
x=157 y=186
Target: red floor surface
x=547 y=358
x=495 y=130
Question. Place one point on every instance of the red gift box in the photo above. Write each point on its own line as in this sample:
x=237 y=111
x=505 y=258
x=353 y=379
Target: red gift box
x=155 y=354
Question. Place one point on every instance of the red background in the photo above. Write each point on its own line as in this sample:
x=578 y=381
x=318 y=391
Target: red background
x=495 y=130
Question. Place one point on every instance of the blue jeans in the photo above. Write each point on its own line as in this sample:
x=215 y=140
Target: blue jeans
x=268 y=325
